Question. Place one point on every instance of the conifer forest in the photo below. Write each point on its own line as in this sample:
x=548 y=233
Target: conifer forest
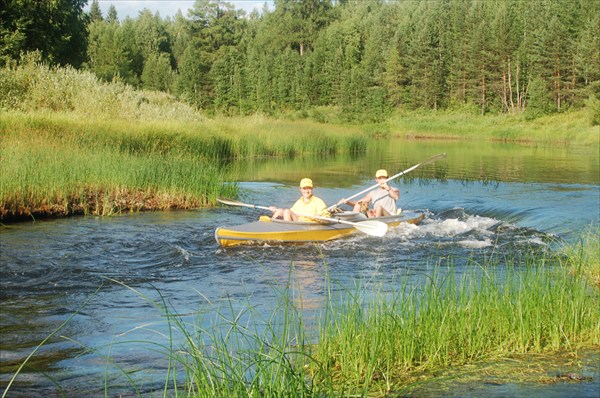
x=367 y=58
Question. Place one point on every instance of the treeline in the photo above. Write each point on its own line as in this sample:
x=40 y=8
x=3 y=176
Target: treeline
x=365 y=58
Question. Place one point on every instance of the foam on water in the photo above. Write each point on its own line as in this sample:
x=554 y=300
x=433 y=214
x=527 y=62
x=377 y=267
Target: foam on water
x=456 y=227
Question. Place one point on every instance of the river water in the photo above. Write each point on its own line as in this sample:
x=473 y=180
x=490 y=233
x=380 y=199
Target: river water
x=480 y=200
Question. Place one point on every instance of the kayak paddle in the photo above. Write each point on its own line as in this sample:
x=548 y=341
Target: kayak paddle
x=427 y=161
x=369 y=227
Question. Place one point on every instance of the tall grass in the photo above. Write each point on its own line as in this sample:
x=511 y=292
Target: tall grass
x=244 y=354
x=34 y=86
x=376 y=341
x=72 y=144
x=47 y=177
x=583 y=257
x=52 y=163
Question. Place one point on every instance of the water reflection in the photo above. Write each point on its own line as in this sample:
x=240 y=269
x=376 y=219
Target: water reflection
x=484 y=161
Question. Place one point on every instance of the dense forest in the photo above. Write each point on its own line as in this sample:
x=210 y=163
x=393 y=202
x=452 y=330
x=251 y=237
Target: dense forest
x=366 y=58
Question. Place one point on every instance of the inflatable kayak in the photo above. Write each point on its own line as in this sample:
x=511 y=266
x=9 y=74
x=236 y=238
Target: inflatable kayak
x=266 y=230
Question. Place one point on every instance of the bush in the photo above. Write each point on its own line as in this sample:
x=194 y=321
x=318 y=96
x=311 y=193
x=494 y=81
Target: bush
x=593 y=109
x=33 y=86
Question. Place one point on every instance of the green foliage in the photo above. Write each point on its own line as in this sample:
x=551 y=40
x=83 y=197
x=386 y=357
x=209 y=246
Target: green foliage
x=34 y=86
x=108 y=55
x=157 y=74
x=539 y=99
x=95 y=12
x=593 y=109
x=55 y=28
x=366 y=58
x=451 y=320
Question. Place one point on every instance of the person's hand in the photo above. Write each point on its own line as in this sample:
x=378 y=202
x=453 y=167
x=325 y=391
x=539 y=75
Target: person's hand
x=342 y=201
x=385 y=186
x=273 y=208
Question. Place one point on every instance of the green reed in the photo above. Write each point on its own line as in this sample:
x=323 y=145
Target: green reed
x=245 y=354
x=374 y=340
x=583 y=258
x=49 y=176
x=53 y=162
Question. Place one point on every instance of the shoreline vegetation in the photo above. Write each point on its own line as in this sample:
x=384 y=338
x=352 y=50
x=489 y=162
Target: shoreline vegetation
x=408 y=334
x=73 y=144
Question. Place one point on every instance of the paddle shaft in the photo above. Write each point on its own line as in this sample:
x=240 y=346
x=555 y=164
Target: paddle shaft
x=369 y=227
x=430 y=160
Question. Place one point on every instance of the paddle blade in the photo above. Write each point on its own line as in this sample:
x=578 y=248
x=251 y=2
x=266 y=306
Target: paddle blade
x=230 y=202
x=372 y=227
x=433 y=159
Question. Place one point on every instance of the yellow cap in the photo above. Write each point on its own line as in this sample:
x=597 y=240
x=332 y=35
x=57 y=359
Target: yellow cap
x=381 y=173
x=306 y=182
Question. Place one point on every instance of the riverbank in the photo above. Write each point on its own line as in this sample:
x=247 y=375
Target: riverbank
x=571 y=128
x=58 y=164
x=73 y=144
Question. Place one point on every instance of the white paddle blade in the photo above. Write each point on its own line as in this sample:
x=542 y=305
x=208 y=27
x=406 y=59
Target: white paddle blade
x=229 y=202
x=433 y=159
x=373 y=228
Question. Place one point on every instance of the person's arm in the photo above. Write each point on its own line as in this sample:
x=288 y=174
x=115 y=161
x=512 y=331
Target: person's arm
x=393 y=192
x=322 y=209
x=345 y=201
x=366 y=198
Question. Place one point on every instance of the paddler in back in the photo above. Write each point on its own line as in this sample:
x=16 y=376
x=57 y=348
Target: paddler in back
x=308 y=204
x=383 y=198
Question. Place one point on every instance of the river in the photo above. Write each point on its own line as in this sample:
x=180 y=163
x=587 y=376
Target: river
x=481 y=199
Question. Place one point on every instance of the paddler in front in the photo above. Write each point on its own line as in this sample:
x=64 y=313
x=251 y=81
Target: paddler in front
x=308 y=204
x=383 y=198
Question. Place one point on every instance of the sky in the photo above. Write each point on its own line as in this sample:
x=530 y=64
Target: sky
x=131 y=8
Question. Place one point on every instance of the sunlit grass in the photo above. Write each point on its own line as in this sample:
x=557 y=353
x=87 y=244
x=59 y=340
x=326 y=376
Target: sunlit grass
x=583 y=257
x=572 y=128
x=46 y=177
x=59 y=164
x=376 y=340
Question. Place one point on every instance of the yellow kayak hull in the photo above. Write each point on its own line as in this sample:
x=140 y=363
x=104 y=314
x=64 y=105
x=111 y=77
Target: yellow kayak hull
x=266 y=230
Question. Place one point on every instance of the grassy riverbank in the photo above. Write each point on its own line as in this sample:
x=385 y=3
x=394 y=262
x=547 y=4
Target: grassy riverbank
x=72 y=144
x=376 y=341
x=57 y=164
x=572 y=128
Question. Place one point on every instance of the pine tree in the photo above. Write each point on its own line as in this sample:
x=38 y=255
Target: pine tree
x=111 y=16
x=95 y=11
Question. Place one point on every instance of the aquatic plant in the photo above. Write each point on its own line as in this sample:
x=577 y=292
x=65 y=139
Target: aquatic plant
x=583 y=257
x=454 y=321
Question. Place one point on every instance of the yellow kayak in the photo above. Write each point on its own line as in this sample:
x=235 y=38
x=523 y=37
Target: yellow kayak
x=266 y=230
